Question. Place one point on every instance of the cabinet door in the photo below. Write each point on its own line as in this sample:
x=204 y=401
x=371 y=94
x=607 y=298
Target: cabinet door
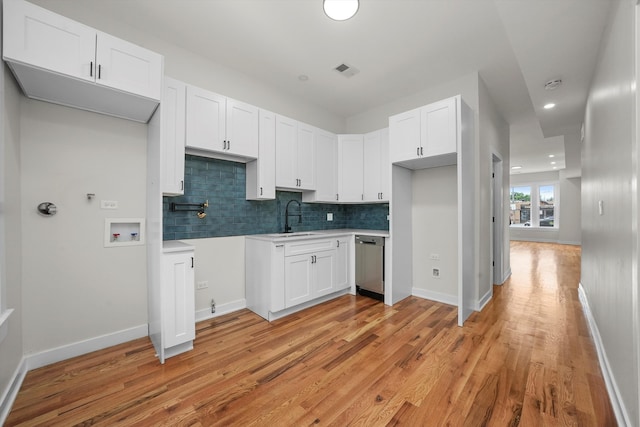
x=326 y=167
x=298 y=279
x=261 y=173
x=343 y=249
x=404 y=136
x=205 y=120
x=350 y=168
x=38 y=37
x=306 y=157
x=173 y=111
x=376 y=166
x=242 y=129
x=286 y=152
x=438 y=125
x=128 y=67
x=178 y=299
x=372 y=162
x=324 y=272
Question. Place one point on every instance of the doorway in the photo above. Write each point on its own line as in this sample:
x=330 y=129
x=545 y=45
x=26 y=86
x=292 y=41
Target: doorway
x=497 y=220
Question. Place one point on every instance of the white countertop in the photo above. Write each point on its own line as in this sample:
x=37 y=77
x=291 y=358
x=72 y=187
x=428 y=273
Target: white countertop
x=314 y=234
x=176 y=246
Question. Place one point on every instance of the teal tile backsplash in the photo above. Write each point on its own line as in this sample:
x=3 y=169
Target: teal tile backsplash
x=223 y=183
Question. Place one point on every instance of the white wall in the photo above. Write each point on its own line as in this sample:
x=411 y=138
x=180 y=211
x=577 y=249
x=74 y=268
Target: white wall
x=494 y=140
x=435 y=226
x=608 y=175
x=73 y=287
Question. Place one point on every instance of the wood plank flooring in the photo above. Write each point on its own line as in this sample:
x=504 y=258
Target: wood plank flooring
x=527 y=359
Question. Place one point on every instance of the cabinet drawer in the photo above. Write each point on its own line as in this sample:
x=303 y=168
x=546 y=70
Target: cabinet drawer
x=308 y=246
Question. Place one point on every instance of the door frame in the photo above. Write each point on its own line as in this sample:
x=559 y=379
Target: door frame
x=496 y=220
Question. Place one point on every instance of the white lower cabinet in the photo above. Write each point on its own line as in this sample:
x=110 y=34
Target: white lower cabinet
x=172 y=303
x=282 y=277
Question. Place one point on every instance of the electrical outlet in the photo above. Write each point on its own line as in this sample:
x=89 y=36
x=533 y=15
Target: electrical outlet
x=108 y=204
x=202 y=285
x=329 y=216
x=435 y=273
x=435 y=257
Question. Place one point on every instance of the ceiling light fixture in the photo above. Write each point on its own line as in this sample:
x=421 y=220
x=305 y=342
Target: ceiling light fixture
x=553 y=163
x=551 y=156
x=549 y=106
x=516 y=167
x=552 y=84
x=340 y=10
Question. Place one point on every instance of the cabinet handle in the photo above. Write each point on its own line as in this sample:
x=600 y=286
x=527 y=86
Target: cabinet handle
x=228 y=145
x=421 y=151
x=99 y=71
x=337 y=196
x=191 y=262
x=417 y=151
x=91 y=69
x=338 y=243
x=182 y=185
x=279 y=246
x=362 y=196
x=261 y=191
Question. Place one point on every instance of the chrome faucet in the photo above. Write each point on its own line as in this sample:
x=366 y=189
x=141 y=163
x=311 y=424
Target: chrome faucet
x=287 y=227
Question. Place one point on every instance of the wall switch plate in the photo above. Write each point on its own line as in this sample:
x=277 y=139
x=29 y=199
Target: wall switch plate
x=600 y=207
x=329 y=216
x=108 y=204
x=202 y=285
x=435 y=257
x=435 y=273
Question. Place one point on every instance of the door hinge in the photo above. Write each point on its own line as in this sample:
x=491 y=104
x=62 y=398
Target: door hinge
x=493 y=219
x=493 y=263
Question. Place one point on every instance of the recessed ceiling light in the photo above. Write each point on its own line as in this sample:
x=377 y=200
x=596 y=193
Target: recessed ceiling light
x=549 y=106
x=553 y=163
x=555 y=167
x=551 y=156
x=516 y=167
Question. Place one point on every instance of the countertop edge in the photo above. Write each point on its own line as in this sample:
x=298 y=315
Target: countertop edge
x=319 y=234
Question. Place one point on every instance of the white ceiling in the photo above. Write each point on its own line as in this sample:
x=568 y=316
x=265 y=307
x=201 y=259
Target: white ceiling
x=399 y=46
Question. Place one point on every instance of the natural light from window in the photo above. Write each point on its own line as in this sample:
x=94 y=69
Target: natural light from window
x=540 y=199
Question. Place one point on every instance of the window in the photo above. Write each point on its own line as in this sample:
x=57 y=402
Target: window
x=534 y=205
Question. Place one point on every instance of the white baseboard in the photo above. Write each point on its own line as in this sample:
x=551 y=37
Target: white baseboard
x=435 y=296
x=10 y=393
x=221 y=309
x=622 y=416
x=484 y=300
x=47 y=357
x=533 y=239
x=569 y=242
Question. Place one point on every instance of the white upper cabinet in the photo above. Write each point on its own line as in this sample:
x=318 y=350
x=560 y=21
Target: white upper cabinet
x=172 y=136
x=404 y=133
x=59 y=60
x=216 y=124
x=350 y=168
x=376 y=166
x=426 y=136
x=438 y=128
x=261 y=173
x=295 y=154
x=326 y=164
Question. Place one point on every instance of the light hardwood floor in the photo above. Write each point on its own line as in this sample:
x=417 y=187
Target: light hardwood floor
x=527 y=359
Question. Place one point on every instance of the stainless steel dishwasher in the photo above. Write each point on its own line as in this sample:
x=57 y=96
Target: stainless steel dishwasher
x=370 y=266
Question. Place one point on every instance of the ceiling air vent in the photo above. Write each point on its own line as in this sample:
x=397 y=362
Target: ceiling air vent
x=347 y=70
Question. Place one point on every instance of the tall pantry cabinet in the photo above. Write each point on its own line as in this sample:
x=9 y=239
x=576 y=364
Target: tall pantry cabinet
x=170 y=265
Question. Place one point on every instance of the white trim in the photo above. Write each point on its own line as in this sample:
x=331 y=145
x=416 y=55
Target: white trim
x=506 y=276
x=622 y=415
x=221 y=310
x=484 y=300
x=566 y=242
x=47 y=357
x=11 y=391
x=435 y=296
x=4 y=323
x=287 y=311
x=532 y=239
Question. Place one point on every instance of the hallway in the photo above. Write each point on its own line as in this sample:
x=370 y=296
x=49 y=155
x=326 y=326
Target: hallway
x=527 y=359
